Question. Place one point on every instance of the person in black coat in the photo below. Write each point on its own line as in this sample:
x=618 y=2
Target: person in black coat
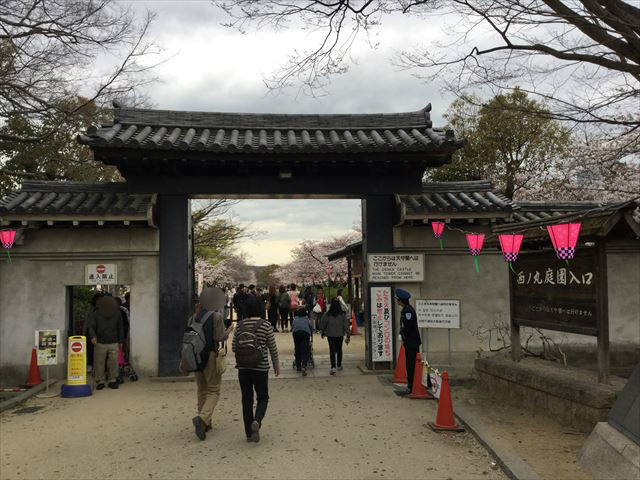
x=409 y=333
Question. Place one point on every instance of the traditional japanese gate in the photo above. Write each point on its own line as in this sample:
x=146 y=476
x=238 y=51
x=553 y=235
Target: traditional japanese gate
x=182 y=155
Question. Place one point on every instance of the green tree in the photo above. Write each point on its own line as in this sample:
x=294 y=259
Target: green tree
x=57 y=155
x=506 y=143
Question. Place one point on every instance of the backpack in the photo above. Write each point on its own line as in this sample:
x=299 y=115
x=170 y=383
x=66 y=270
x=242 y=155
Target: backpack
x=194 y=345
x=284 y=300
x=294 y=301
x=248 y=349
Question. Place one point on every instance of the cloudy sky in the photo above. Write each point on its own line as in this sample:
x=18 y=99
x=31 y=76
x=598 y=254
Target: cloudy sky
x=213 y=68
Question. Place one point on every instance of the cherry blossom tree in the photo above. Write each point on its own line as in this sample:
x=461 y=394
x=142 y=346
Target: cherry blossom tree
x=230 y=271
x=310 y=264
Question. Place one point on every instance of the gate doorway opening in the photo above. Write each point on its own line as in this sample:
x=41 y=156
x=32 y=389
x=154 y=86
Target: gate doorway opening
x=285 y=246
x=80 y=300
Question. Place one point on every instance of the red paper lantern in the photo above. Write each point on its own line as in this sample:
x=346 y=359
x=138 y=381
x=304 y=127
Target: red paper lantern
x=510 y=245
x=475 y=241
x=7 y=237
x=564 y=238
x=438 y=228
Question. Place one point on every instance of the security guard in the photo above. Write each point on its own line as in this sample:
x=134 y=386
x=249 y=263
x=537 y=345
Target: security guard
x=409 y=333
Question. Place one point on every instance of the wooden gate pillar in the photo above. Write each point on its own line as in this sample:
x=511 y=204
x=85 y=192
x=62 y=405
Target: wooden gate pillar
x=176 y=279
x=377 y=237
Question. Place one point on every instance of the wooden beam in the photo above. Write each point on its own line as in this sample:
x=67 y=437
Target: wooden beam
x=603 y=312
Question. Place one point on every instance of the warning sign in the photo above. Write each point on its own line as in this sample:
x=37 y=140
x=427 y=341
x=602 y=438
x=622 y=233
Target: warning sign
x=101 y=274
x=77 y=361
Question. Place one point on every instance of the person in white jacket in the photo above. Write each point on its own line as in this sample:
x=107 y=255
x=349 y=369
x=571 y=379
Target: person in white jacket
x=343 y=305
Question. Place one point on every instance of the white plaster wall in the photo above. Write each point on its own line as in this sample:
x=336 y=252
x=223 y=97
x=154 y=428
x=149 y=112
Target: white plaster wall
x=33 y=289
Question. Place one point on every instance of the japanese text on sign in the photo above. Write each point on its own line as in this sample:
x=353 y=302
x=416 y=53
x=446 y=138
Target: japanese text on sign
x=396 y=267
x=554 y=294
x=381 y=324
x=47 y=346
x=438 y=313
x=101 y=274
x=77 y=361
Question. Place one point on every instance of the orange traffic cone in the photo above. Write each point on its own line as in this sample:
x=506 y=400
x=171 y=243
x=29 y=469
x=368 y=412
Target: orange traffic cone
x=400 y=375
x=354 y=325
x=445 y=421
x=33 y=378
x=418 y=392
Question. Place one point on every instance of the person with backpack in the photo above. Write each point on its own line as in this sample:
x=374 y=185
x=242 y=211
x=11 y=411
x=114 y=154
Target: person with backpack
x=319 y=307
x=335 y=326
x=294 y=301
x=202 y=354
x=253 y=341
x=283 y=308
x=302 y=331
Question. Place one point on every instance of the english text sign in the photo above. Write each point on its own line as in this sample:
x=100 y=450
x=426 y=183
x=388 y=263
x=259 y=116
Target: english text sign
x=392 y=267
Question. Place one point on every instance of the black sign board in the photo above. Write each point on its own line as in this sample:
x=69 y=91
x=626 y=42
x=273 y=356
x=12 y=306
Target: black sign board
x=556 y=294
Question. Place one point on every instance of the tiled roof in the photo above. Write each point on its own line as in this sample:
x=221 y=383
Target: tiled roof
x=450 y=199
x=347 y=251
x=270 y=133
x=76 y=200
x=543 y=210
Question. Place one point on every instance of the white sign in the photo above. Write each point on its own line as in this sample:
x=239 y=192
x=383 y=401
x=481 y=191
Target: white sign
x=381 y=324
x=101 y=274
x=392 y=267
x=47 y=342
x=436 y=383
x=438 y=313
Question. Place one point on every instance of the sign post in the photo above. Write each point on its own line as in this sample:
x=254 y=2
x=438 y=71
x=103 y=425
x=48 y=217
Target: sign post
x=47 y=347
x=549 y=293
x=76 y=385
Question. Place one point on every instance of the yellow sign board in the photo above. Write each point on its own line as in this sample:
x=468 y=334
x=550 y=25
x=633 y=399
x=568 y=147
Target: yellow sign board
x=77 y=361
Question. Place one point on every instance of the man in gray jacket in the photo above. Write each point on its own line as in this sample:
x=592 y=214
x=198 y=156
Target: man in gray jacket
x=106 y=331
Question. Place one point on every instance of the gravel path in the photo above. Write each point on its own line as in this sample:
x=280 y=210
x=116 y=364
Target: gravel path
x=347 y=427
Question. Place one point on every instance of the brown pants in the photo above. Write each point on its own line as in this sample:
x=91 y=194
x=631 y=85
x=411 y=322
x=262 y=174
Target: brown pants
x=105 y=352
x=208 y=382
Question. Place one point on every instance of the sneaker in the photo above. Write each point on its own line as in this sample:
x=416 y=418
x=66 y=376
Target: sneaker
x=340 y=367
x=100 y=386
x=298 y=369
x=200 y=426
x=209 y=428
x=332 y=371
x=114 y=385
x=304 y=372
x=255 y=431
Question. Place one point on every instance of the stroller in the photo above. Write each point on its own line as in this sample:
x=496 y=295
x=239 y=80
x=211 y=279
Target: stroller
x=124 y=366
x=311 y=363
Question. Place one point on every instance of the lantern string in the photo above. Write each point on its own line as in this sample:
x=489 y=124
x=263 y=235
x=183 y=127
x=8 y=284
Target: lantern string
x=511 y=267
x=441 y=244
x=477 y=265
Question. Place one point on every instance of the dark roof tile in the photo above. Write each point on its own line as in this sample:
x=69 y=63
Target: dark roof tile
x=262 y=133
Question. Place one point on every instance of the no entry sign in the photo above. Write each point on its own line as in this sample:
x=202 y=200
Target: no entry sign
x=77 y=361
x=77 y=347
x=101 y=274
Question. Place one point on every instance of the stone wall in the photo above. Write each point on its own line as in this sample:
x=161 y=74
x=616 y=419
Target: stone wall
x=572 y=396
x=33 y=290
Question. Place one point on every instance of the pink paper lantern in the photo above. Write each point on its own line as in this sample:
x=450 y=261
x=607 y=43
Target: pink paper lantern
x=7 y=237
x=475 y=241
x=510 y=245
x=564 y=238
x=438 y=228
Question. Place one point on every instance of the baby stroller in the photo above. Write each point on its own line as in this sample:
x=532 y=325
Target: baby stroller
x=311 y=363
x=124 y=366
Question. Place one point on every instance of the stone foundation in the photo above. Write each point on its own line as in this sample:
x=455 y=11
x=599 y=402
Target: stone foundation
x=570 y=395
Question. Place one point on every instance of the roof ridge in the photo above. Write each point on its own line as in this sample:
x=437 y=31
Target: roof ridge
x=70 y=186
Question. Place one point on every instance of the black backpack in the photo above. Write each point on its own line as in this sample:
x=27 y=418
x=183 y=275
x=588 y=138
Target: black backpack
x=249 y=353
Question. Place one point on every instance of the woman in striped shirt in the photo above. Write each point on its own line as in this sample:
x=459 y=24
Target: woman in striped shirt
x=256 y=378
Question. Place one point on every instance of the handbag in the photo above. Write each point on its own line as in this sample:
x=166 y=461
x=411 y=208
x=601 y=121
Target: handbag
x=221 y=360
x=317 y=308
